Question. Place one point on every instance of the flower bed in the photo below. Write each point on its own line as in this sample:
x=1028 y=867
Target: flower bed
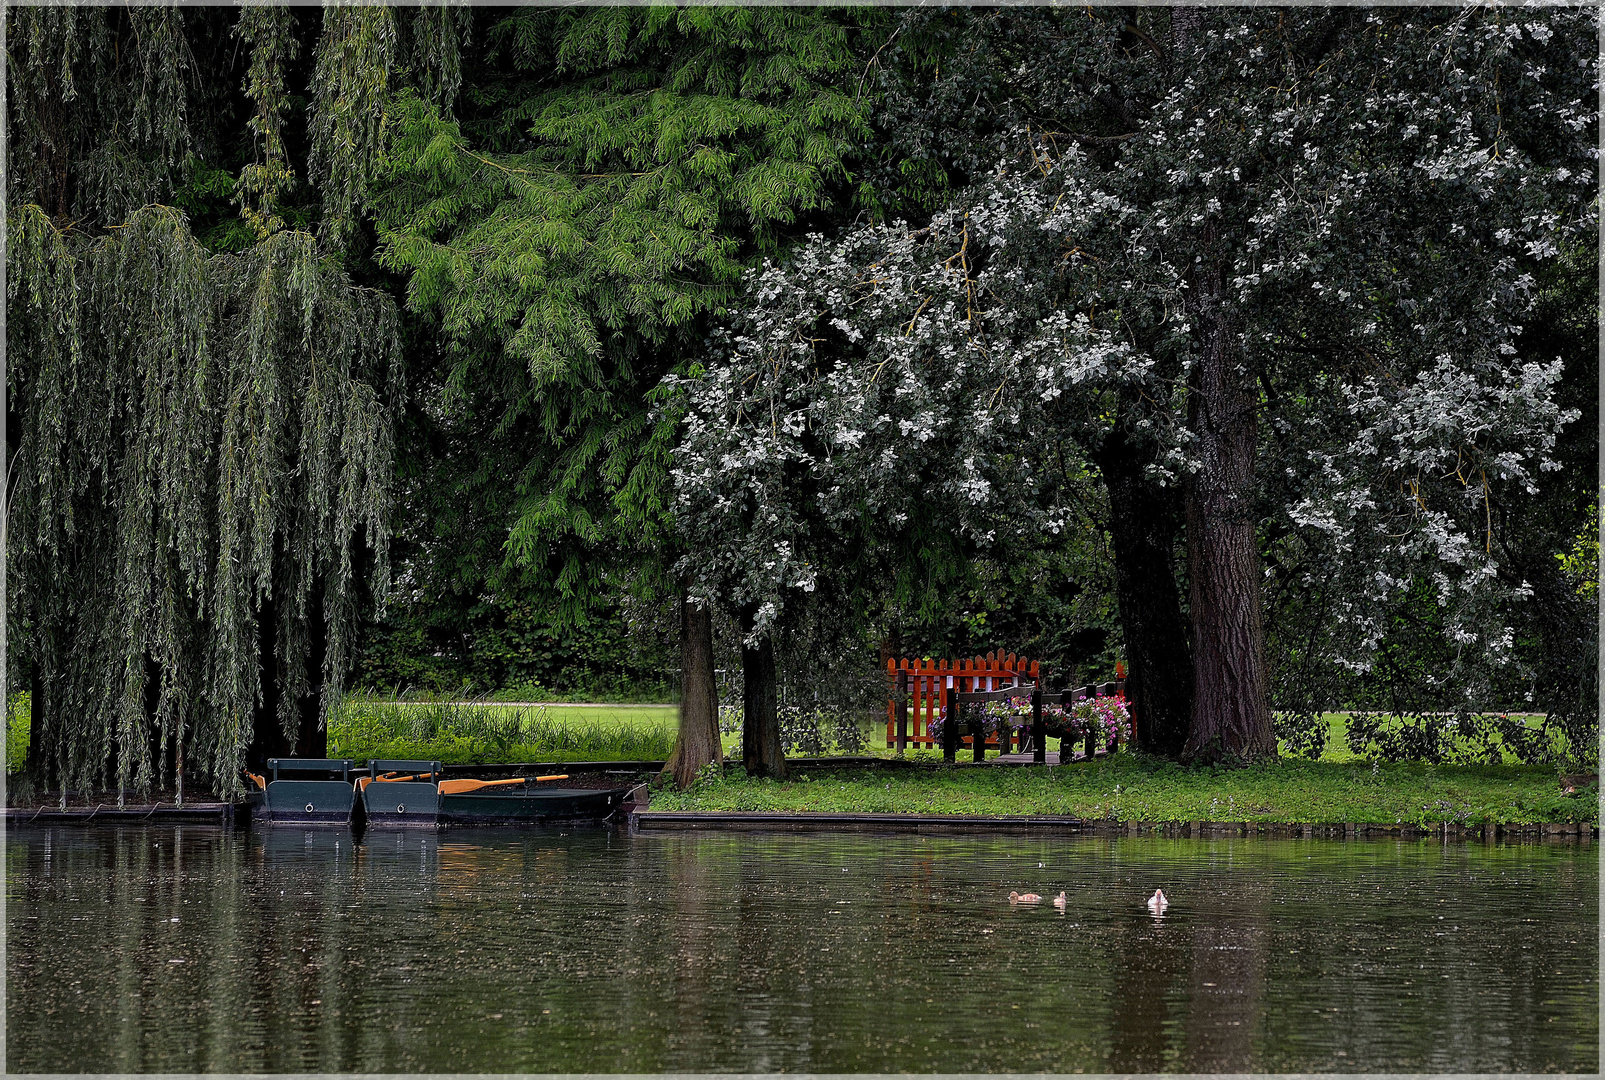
x=1105 y=720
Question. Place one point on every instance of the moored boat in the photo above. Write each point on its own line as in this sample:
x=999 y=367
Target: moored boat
x=401 y=792
x=302 y=799
x=523 y=800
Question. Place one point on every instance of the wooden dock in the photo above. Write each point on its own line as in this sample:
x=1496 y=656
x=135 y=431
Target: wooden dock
x=191 y=813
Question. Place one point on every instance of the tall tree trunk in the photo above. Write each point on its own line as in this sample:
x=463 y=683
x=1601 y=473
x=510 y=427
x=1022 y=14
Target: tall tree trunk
x=760 y=724
x=1231 y=716
x=311 y=734
x=698 y=743
x=268 y=737
x=1144 y=521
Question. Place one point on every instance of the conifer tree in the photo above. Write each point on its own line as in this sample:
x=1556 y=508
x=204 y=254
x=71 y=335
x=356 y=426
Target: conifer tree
x=571 y=232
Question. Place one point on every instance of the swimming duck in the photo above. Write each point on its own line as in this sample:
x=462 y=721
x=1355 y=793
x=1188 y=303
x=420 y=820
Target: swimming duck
x=1024 y=898
x=1157 y=902
x=1058 y=901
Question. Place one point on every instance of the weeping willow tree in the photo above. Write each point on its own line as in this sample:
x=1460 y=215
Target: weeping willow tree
x=201 y=441
x=205 y=468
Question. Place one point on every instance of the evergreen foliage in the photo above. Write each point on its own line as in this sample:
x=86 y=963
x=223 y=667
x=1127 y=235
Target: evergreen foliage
x=593 y=202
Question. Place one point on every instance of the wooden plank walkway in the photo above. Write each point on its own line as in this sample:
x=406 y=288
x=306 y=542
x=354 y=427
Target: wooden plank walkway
x=198 y=813
x=1028 y=758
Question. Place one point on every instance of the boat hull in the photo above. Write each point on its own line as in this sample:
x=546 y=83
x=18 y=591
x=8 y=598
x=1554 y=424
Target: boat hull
x=308 y=802
x=403 y=805
x=491 y=807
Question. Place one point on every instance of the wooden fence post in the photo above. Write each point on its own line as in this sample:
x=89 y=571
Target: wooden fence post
x=978 y=727
x=950 y=725
x=1039 y=730
x=902 y=708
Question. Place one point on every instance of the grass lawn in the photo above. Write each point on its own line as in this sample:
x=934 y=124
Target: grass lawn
x=1127 y=788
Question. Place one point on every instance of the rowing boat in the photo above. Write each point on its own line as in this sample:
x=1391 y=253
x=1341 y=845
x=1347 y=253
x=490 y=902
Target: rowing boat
x=401 y=792
x=507 y=804
x=298 y=800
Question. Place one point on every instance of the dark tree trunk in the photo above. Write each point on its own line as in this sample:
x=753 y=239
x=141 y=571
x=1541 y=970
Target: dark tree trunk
x=891 y=647
x=311 y=735
x=698 y=743
x=1231 y=716
x=1186 y=27
x=267 y=732
x=1144 y=522
x=268 y=738
x=760 y=725
x=162 y=757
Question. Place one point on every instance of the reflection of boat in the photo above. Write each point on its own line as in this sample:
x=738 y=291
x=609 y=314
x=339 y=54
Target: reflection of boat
x=399 y=792
x=318 y=800
x=503 y=804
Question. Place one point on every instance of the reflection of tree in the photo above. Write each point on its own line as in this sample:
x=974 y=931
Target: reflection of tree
x=1225 y=1000
x=1150 y=963
x=1189 y=987
x=698 y=875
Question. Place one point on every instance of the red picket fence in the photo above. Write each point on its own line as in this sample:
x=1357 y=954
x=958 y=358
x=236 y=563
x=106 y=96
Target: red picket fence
x=926 y=683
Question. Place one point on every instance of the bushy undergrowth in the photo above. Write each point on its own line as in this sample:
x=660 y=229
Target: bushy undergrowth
x=457 y=732
x=808 y=732
x=1128 y=787
x=1439 y=738
x=17 y=711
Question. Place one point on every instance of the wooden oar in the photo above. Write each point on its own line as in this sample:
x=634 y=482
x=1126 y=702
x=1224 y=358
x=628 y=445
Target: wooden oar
x=364 y=781
x=457 y=787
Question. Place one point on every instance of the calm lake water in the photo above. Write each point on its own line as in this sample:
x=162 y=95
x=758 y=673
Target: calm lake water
x=195 y=950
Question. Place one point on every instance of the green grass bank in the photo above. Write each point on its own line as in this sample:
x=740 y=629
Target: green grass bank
x=1129 y=787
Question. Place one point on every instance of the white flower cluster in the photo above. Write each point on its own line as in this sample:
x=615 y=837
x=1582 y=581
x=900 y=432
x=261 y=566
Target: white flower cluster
x=1377 y=227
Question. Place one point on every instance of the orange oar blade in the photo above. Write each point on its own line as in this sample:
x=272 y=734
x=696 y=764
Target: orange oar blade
x=457 y=787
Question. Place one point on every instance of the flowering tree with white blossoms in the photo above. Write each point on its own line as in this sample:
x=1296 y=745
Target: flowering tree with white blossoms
x=1278 y=262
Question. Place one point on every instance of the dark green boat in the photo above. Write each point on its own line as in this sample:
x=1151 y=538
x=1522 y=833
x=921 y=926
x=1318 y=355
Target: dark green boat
x=401 y=792
x=316 y=791
x=531 y=803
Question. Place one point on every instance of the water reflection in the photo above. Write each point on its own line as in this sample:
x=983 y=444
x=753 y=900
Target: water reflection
x=586 y=950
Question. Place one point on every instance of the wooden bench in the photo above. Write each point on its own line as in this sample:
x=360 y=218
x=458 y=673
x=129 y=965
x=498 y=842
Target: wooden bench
x=957 y=701
x=1038 y=734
